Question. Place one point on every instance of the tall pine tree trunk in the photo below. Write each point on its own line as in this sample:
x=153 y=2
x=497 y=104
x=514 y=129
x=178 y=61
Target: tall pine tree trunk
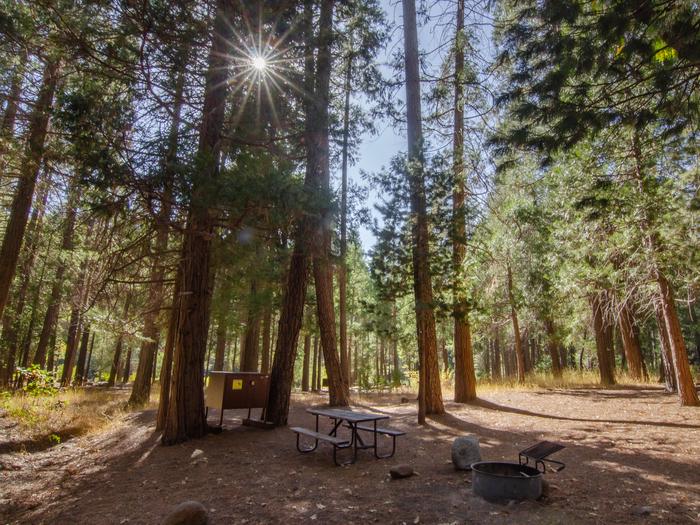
x=317 y=171
x=22 y=201
x=305 y=364
x=603 y=340
x=117 y=358
x=465 y=377
x=342 y=268
x=266 y=339
x=186 y=417
x=631 y=344
x=251 y=342
x=429 y=390
x=82 y=357
x=12 y=321
x=167 y=365
x=684 y=379
x=319 y=158
x=314 y=366
x=519 y=353
x=497 y=355
x=553 y=346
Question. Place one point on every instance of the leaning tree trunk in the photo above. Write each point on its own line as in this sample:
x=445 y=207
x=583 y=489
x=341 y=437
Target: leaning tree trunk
x=12 y=323
x=603 y=341
x=684 y=379
x=186 y=418
x=429 y=390
x=22 y=201
x=519 y=353
x=141 y=390
x=465 y=376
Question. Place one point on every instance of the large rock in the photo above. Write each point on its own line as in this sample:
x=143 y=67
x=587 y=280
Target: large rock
x=187 y=513
x=401 y=471
x=465 y=451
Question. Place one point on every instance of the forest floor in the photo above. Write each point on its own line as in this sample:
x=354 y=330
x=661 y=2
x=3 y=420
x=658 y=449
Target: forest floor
x=632 y=456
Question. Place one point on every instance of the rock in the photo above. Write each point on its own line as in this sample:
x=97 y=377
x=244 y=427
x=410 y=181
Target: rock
x=465 y=451
x=187 y=513
x=401 y=471
x=197 y=454
x=642 y=511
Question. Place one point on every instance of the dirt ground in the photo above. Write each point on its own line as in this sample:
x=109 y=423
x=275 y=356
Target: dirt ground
x=632 y=456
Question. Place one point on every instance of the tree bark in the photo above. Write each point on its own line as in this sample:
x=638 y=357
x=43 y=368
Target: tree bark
x=305 y=364
x=12 y=320
x=687 y=392
x=22 y=201
x=116 y=360
x=465 y=376
x=251 y=345
x=319 y=158
x=186 y=418
x=126 y=372
x=603 y=341
x=429 y=389
x=519 y=353
x=314 y=367
x=7 y=126
x=553 y=346
x=317 y=176
x=82 y=357
x=167 y=366
x=266 y=339
x=342 y=267
x=630 y=342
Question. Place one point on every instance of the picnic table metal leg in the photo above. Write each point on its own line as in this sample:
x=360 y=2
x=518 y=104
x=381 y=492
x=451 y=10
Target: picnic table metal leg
x=355 y=437
x=221 y=419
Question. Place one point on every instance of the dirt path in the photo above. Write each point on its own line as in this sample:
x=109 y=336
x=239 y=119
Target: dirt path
x=633 y=456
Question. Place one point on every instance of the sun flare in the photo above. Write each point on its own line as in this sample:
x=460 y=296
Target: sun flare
x=259 y=63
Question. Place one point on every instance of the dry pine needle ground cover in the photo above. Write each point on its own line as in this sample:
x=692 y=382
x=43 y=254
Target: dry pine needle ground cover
x=633 y=456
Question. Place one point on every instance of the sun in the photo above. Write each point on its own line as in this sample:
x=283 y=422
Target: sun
x=259 y=63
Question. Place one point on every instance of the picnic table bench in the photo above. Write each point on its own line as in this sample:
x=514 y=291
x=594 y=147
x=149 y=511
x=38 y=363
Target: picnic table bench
x=353 y=421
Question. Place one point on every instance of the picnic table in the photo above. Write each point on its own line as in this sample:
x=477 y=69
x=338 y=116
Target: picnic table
x=356 y=422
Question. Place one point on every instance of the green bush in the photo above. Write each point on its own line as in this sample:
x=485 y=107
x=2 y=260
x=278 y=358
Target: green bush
x=37 y=382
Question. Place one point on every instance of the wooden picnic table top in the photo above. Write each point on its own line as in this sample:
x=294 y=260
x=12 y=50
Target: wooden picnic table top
x=348 y=415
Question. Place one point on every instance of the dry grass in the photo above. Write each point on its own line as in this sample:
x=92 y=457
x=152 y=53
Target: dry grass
x=41 y=421
x=569 y=379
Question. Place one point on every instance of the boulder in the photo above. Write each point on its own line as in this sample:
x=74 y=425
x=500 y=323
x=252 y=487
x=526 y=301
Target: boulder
x=187 y=513
x=465 y=451
x=401 y=471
